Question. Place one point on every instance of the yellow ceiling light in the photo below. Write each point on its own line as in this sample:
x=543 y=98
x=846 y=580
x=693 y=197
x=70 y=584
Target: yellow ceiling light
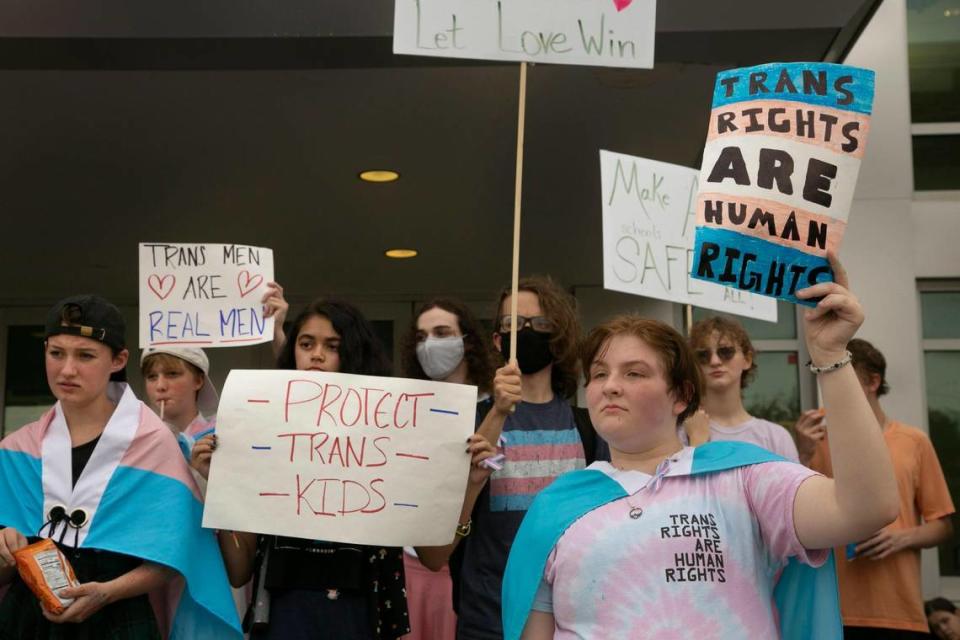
x=379 y=175
x=400 y=253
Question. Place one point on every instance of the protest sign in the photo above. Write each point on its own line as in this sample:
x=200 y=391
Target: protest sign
x=203 y=295
x=648 y=232
x=779 y=169
x=340 y=457
x=599 y=33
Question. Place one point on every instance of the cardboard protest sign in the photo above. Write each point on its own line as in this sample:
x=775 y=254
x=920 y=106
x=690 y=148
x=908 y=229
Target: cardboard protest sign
x=203 y=295
x=648 y=232
x=599 y=33
x=779 y=168
x=340 y=457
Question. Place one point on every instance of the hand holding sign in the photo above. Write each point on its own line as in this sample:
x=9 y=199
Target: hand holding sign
x=779 y=168
x=203 y=294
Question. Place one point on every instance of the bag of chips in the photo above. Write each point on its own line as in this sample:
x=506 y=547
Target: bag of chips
x=46 y=571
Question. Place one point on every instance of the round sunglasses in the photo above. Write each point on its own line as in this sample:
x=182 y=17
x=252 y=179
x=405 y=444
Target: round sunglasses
x=724 y=353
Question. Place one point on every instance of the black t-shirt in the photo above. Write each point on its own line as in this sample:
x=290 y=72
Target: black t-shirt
x=80 y=456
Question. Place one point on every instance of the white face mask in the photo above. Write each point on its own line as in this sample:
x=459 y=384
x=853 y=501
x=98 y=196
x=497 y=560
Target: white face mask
x=440 y=356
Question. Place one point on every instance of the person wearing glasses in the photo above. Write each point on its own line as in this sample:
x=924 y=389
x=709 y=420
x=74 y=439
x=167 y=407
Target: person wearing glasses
x=728 y=363
x=539 y=433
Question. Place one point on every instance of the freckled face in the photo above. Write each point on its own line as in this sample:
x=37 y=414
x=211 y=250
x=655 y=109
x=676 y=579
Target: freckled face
x=78 y=368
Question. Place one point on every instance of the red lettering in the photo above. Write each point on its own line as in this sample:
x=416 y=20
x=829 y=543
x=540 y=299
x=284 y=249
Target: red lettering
x=366 y=405
x=293 y=441
x=335 y=449
x=326 y=436
x=325 y=403
x=383 y=500
x=287 y=402
x=377 y=412
x=343 y=499
x=343 y=407
x=377 y=447
x=416 y=398
x=396 y=408
x=358 y=459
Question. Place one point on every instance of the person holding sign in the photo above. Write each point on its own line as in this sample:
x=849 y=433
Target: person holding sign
x=445 y=342
x=728 y=363
x=319 y=589
x=667 y=541
x=541 y=435
x=88 y=476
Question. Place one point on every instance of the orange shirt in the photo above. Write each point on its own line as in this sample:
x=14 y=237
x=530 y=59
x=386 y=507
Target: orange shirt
x=886 y=593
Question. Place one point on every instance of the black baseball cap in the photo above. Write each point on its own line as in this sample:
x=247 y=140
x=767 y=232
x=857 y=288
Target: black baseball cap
x=88 y=316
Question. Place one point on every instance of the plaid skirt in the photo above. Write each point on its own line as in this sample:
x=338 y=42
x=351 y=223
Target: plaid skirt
x=130 y=619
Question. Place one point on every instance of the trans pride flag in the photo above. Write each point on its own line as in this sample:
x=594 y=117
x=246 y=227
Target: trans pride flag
x=779 y=169
x=140 y=499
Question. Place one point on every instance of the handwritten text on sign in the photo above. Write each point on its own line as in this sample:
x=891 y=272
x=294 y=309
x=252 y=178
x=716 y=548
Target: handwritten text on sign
x=340 y=457
x=779 y=169
x=648 y=232
x=205 y=295
x=599 y=33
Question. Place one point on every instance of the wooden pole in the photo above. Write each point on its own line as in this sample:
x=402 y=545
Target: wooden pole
x=518 y=188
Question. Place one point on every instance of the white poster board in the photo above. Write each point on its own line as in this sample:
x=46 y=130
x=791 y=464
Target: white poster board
x=649 y=223
x=596 y=33
x=203 y=295
x=339 y=457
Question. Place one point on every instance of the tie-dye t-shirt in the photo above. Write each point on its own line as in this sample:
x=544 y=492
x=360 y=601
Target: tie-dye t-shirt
x=683 y=557
x=540 y=441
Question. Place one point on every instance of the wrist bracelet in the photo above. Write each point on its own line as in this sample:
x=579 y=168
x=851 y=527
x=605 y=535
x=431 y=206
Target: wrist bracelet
x=842 y=362
x=463 y=530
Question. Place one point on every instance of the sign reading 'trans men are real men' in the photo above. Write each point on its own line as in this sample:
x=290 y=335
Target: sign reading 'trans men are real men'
x=596 y=33
x=648 y=233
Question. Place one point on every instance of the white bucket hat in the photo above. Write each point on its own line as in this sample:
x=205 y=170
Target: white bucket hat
x=207 y=398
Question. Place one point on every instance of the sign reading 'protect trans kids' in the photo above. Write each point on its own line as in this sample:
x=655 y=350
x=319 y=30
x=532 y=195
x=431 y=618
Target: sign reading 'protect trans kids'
x=779 y=169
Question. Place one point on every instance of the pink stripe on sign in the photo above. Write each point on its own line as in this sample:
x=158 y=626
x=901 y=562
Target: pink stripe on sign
x=839 y=131
x=526 y=452
x=771 y=221
x=515 y=486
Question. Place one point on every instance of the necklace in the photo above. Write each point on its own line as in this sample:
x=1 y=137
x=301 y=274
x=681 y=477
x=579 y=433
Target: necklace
x=653 y=484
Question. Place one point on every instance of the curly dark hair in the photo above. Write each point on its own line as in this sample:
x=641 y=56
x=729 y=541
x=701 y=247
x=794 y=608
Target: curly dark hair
x=867 y=359
x=560 y=308
x=361 y=351
x=732 y=330
x=477 y=349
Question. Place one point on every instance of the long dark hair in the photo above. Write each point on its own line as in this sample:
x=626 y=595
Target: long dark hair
x=360 y=349
x=477 y=348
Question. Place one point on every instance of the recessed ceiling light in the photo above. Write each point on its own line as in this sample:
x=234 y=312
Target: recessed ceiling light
x=379 y=175
x=400 y=253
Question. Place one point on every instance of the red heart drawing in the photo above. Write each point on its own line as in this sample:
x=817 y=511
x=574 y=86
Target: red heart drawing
x=159 y=285
x=621 y=4
x=247 y=283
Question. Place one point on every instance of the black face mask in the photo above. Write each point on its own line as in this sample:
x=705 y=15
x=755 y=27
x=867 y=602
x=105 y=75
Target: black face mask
x=533 y=349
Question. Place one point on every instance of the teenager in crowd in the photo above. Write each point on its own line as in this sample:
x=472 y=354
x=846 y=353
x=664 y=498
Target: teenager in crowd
x=89 y=476
x=943 y=619
x=728 y=363
x=445 y=342
x=672 y=542
x=319 y=589
x=880 y=591
x=540 y=435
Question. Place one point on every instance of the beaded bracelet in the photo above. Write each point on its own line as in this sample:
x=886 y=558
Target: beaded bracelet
x=830 y=367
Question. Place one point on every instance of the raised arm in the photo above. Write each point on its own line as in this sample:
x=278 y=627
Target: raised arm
x=506 y=394
x=862 y=496
x=275 y=306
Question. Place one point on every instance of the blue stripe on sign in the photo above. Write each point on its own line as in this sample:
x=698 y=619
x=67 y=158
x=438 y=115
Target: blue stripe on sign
x=757 y=266
x=512 y=502
x=452 y=413
x=861 y=85
x=542 y=436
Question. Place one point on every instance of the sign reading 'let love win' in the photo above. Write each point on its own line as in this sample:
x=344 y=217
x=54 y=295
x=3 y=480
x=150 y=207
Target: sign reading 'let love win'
x=596 y=33
x=203 y=295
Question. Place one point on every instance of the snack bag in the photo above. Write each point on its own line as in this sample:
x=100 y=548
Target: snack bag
x=46 y=571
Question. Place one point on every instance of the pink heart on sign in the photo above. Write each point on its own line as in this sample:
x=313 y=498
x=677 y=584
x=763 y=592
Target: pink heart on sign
x=247 y=283
x=621 y=4
x=159 y=285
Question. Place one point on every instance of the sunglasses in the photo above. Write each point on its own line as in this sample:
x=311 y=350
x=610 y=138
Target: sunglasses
x=724 y=353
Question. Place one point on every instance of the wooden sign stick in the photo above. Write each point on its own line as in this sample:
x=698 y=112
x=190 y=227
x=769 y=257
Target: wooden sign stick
x=516 y=212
